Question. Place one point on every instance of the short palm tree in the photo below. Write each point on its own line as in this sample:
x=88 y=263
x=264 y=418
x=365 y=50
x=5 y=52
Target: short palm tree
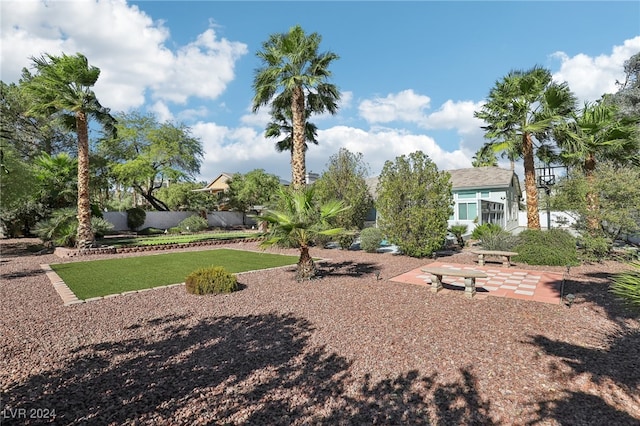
x=596 y=133
x=294 y=72
x=521 y=110
x=299 y=222
x=62 y=87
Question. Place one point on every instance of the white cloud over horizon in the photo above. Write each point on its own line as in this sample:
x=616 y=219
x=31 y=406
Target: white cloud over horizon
x=162 y=77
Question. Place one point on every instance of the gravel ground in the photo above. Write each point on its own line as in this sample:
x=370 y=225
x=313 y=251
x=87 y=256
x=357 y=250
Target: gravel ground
x=349 y=348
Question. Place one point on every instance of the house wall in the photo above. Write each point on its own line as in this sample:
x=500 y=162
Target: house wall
x=505 y=197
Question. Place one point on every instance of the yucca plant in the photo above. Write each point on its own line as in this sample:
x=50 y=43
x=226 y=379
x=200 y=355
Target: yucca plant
x=626 y=285
x=458 y=231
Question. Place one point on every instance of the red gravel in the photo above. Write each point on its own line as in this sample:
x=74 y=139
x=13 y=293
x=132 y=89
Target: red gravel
x=348 y=348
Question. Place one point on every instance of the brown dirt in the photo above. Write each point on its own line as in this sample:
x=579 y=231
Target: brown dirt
x=349 y=348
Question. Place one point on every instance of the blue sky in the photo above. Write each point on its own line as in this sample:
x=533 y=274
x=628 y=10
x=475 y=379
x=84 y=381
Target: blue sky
x=411 y=73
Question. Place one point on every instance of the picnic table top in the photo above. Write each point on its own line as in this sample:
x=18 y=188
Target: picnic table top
x=496 y=252
x=471 y=273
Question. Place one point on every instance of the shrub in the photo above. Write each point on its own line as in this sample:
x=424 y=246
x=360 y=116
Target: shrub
x=100 y=226
x=594 y=248
x=499 y=239
x=627 y=285
x=480 y=230
x=174 y=230
x=458 y=231
x=61 y=228
x=193 y=224
x=553 y=247
x=346 y=239
x=135 y=218
x=214 y=279
x=370 y=239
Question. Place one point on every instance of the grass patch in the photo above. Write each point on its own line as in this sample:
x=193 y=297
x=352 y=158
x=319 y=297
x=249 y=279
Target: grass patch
x=112 y=276
x=174 y=239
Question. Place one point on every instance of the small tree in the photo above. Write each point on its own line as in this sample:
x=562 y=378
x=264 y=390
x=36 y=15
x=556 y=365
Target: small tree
x=299 y=222
x=345 y=180
x=256 y=188
x=414 y=203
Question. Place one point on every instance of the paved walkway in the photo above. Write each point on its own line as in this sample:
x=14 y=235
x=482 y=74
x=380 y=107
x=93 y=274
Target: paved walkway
x=539 y=286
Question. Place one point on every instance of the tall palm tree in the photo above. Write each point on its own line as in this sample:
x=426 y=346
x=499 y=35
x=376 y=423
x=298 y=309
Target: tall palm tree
x=281 y=125
x=520 y=112
x=62 y=87
x=294 y=73
x=596 y=133
x=298 y=222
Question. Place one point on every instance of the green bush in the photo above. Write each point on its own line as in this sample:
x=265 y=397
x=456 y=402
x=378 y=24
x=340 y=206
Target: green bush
x=151 y=231
x=458 y=231
x=553 y=247
x=346 y=240
x=627 y=285
x=594 y=248
x=480 y=230
x=499 y=239
x=193 y=224
x=62 y=227
x=214 y=279
x=370 y=239
x=135 y=218
x=174 y=230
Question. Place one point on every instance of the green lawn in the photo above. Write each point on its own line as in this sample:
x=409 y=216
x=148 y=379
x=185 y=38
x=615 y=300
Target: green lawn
x=112 y=276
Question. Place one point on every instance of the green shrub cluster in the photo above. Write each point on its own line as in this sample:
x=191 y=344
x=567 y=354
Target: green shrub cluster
x=135 y=218
x=193 y=224
x=627 y=285
x=594 y=248
x=346 y=239
x=370 y=239
x=214 y=279
x=458 y=230
x=499 y=239
x=553 y=247
x=480 y=230
x=62 y=227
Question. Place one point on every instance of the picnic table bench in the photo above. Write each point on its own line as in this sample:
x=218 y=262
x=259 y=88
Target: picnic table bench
x=469 y=276
x=504 y=255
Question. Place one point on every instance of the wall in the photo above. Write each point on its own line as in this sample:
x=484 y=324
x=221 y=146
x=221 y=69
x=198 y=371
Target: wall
x=165 y=220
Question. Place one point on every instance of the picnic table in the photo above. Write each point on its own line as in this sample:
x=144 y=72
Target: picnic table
x=504 y=255
x=469 y=276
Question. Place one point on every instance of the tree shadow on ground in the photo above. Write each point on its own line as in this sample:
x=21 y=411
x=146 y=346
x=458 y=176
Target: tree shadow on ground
x=257 y=369
x=594 y=288
x=347 y=269
x=618 y=362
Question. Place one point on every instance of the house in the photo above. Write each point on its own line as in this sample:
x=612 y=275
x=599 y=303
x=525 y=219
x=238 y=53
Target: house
x=485 y=195
x=480 y=195
x=218 y=185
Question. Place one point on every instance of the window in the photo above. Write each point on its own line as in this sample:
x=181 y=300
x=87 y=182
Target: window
x=484 y=194
x=466 y=195
x=467 y=211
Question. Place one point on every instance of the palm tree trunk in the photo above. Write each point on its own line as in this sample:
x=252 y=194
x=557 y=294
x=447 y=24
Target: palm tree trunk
x=533 y=215
x=306 y=266
x=593 y=203
x=298 y=168
x=85 y=234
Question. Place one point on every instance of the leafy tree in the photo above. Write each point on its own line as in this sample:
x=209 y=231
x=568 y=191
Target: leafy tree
x=184 y=196
x=596 y=133
x=618 y=211
x=29 y=136
x=256 y=188
x=299 y=222
x=345 y=180
x=485 y=157
x=146 y=154
x=414 y=203
x=16 y=177
x=293 y=71
x=61 y=87
x=520 y=112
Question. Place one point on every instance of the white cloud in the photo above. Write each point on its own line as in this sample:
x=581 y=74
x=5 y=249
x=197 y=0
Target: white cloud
x=102 y=30
x=161 y=111
x=589 y=78
x=403 y=106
